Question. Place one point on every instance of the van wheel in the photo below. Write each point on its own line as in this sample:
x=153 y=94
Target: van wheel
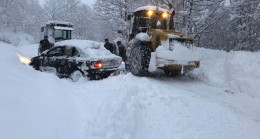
x=139 y=60
x=76 y=75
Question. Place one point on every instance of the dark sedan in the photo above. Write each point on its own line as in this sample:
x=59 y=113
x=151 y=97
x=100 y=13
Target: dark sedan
x=78 y=58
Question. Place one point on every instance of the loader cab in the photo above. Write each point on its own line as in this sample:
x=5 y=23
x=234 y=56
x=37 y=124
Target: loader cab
x=149 y=17
x=57 y=31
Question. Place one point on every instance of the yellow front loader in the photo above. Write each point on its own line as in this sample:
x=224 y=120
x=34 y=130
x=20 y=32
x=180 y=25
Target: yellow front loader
x=153 y=42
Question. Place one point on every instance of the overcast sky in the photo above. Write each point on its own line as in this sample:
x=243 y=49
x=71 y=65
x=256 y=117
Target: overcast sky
x=89 y=2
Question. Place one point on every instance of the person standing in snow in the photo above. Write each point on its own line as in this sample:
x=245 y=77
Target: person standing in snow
x=122 y=50
x=44 y=45
x=109 y=46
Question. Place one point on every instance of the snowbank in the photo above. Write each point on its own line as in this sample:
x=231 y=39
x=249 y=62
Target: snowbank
x=243 y=72
x=16 y=38
x=236 y=71
x=212 y=69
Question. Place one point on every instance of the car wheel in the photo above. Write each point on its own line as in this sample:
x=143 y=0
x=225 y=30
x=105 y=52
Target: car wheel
x=95 y=77
x=76 y=75
x=36 y=67
x=139 y=60
x=99 y=76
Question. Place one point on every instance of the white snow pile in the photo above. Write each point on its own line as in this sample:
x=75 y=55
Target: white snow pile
x=16 y=38
x=243 y=72
x=179 y=53
x=237 y=71
x=91 y=49
x=39 y=105
x=143 y=37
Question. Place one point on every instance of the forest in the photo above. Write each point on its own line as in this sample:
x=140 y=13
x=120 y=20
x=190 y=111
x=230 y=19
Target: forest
x=218 y=24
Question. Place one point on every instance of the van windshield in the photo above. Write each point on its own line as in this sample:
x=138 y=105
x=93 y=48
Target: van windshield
x=62 y=34
x=143 y=22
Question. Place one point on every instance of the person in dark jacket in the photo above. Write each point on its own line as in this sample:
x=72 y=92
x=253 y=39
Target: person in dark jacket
x=122 y=50
x=109 y=46
x=45 y=44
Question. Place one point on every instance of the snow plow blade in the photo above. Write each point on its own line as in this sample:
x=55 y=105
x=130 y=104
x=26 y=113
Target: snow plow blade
x=172 y=65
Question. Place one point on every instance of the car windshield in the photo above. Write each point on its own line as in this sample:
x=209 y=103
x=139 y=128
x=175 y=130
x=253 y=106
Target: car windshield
x=62 y=34
x=55 y=52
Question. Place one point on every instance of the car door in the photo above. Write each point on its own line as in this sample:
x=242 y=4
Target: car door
x=62 y=63
x=52 y=58
x=70 y=64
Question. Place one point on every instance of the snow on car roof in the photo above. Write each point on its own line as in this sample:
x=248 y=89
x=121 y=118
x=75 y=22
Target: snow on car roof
x=82 y=44
x=92 y=50
x=148 y=7
x=58 y=22
x=62 y=28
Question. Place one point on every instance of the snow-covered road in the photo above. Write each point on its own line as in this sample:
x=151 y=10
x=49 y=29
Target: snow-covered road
x=37 y=105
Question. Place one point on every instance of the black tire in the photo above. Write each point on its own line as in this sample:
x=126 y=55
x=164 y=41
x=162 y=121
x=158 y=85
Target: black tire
x=139 y=60
x=36 y=67
x=98 y=76
x=172 y=73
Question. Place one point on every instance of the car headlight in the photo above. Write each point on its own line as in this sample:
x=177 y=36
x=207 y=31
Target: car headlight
x=25 y=60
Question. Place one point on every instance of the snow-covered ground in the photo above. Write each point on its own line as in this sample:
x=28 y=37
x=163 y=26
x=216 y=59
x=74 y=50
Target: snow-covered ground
x=16 y=38
x=219 y=100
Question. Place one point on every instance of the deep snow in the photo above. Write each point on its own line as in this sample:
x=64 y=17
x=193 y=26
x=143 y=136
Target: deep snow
x=204 y=104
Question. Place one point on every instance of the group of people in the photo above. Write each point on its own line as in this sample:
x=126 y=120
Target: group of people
x=117 y=49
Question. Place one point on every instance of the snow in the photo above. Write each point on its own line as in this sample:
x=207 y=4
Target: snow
x=227 y=3
x=180 y=53
x=243 y=74
x=16 y=38
x=63 y=28
x=143 y=37
x=92 y=50
x=59 y=22
x=237 y=71
x=148 y=7
x=39 y=105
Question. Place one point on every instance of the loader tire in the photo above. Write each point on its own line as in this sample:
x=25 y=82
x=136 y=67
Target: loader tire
x=139 y=60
